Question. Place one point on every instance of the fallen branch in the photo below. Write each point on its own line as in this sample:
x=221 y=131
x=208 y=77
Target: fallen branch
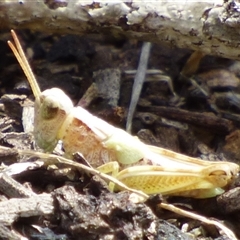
x=209 y=26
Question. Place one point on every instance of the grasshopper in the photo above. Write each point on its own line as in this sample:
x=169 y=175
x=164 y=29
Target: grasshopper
x=112 y=150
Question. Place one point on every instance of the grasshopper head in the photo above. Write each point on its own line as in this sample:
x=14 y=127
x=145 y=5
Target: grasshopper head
x=51 y=109
x=51 y=106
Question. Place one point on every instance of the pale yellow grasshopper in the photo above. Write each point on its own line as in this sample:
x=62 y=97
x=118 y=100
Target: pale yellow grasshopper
x=112 y=150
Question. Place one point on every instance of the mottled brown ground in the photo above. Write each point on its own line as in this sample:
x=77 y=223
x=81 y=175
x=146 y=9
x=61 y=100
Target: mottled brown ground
x=207 y=127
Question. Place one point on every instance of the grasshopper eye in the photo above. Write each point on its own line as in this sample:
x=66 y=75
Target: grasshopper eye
x=49 y=108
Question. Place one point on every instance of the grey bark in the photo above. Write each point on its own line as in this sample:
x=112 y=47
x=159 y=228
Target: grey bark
x=14 y=208
x=209 y=26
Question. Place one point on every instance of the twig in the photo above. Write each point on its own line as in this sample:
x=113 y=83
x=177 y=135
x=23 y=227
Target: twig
x=214 y=123
x=53 y=159
x=138 y=83
x=198 y=217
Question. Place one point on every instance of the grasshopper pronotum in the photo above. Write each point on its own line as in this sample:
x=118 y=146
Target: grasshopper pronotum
x=109 y=148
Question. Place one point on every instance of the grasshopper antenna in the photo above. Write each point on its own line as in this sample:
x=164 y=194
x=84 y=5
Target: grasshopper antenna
x=21 y=57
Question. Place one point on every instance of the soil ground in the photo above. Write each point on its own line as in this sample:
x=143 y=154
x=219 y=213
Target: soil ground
x=186 y=121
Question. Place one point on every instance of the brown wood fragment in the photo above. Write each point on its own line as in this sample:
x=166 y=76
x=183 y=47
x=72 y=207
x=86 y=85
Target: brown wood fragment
x=219 y=78
x=102 y=215
x=231 y=147
x=14 y=208
x=12 y=188
x=8 y=156
x=206 y=120
x=229 y=201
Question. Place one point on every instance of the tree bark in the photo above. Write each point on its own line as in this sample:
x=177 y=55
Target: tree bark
x=210 y=26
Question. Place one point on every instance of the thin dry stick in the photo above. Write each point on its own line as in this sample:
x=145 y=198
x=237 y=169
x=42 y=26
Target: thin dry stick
x=85 y=168
x=138 y=83
x=198 y=217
